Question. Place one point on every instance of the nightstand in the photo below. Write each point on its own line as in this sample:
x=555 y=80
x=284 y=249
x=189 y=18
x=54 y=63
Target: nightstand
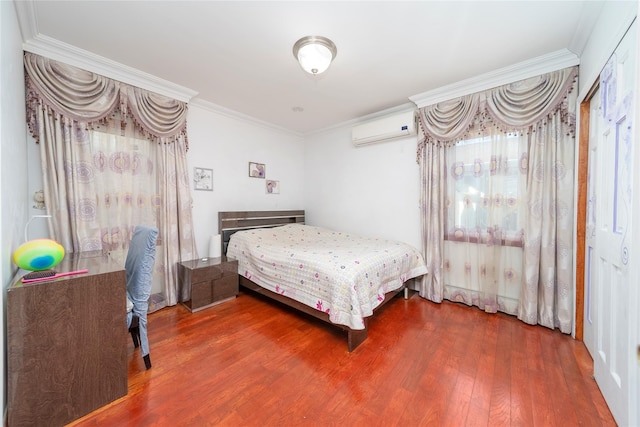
x=207 y=281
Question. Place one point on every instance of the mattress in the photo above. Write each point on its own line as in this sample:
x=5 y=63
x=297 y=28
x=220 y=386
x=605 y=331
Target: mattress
x=341 y=274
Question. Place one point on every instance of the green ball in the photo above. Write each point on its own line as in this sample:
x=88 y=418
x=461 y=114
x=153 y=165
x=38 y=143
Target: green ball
x=38 y=254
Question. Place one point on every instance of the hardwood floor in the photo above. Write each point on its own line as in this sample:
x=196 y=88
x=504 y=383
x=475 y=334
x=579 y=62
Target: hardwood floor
x=253 y=362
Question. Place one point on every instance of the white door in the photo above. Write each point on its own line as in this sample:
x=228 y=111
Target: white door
x=608 y=288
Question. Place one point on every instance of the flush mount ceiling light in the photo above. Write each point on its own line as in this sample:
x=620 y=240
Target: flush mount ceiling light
x=314 y=53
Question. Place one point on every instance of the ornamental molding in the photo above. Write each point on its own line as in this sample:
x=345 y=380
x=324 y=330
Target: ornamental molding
x=523 y=70
x=48 y=47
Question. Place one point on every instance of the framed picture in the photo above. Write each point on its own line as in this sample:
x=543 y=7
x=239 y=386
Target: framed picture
x=273 y=187
x=203 y=179
x=257 y=170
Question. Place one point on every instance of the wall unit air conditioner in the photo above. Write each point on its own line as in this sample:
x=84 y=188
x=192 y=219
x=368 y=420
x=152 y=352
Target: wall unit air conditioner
x=384 y=129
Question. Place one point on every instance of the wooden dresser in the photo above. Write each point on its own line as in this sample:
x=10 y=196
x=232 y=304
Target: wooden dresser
x=207 y=281
x=66 y=342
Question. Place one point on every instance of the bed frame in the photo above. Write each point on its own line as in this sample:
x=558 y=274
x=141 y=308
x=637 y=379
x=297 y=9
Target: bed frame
x=230 y=222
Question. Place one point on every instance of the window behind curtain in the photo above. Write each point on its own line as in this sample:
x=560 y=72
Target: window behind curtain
x=126 y=186
x=485 y=219
x=485 y=189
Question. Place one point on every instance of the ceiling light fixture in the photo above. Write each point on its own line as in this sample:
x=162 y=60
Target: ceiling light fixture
x=314 y=53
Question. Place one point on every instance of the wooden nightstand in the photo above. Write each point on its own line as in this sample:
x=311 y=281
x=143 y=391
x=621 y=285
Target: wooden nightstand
x=207 y=281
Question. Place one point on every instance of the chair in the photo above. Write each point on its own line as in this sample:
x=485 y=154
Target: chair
x=141 y=257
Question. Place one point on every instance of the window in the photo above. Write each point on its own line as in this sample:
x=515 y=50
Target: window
x=485 y=185
x=126 y=186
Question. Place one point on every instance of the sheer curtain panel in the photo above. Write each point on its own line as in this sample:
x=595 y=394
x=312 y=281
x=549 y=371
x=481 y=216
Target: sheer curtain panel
x=484 y=211
x=113 y=157
x=497 y=205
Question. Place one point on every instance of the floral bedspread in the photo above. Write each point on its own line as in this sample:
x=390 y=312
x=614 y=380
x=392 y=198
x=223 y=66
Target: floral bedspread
x=342 y=274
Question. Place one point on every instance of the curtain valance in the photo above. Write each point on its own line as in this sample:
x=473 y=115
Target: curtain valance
x=76 y=95
x=514 y=107
x=450 y=120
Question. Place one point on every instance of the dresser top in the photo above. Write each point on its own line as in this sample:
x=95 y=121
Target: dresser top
x=95 y=262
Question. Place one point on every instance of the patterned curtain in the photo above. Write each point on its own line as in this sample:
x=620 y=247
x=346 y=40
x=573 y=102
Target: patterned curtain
x=547 y=288
x=499 y=249
x=113 y=156
x=432 y=192
x=485 y=207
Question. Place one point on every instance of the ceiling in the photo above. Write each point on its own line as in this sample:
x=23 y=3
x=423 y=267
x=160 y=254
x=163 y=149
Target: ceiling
x=237 y=55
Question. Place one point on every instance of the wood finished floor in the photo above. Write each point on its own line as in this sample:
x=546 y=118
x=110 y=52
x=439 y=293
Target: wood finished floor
x=253 y=362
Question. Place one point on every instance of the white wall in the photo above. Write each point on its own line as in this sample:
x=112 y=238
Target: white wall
x=13 y=160
x=227 y=145
x=371 y=190
x=39 y=227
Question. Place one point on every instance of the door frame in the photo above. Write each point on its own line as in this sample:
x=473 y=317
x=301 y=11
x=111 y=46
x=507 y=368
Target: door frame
x=582 y=177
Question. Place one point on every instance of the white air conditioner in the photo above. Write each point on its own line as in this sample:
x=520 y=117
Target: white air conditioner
x=384 y=129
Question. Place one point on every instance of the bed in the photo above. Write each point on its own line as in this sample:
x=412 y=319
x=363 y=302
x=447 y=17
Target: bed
x=338 y=277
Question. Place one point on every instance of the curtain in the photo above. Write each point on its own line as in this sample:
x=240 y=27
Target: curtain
x=122 y=191
x=93 y=130
x=432 y=192
x=547 y=294
x=537 y=115
x=484 y=209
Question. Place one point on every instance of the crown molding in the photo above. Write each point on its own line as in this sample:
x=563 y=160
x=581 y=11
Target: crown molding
x=34 y=42
x=226 y=112
x=63 y=52
x=523 y=70
x=403 y=108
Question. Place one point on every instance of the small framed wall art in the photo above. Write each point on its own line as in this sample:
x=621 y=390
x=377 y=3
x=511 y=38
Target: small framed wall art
x=273 y=187
x=257 y=170
x=203 y=179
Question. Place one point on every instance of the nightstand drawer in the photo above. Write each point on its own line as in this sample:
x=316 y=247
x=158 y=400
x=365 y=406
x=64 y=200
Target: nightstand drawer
x=207 y=281
x=201 y=294
x=206 y=273
x=230 y=267
x=226 y=287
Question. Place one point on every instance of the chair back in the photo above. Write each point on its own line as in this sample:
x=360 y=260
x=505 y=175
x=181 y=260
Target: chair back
x=141 y=258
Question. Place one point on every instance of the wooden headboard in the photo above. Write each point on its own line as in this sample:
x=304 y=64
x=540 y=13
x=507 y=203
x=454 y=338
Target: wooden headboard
x=230 y=222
